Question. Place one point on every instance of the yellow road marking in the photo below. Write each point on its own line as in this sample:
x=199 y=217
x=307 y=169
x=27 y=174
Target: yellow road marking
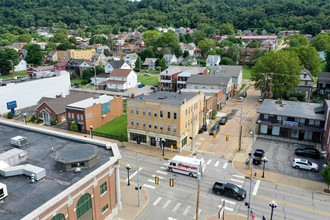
x=293 y=205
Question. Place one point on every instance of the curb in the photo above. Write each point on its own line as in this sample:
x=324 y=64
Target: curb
x=143 y=206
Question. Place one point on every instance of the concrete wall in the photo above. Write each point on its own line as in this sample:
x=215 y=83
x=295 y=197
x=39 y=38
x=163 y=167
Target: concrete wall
x=30 y=92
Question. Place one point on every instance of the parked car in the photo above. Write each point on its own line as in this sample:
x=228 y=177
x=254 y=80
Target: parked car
x=240 y=99
x=308 y=152
x=261 y=98
x=257 y=156
x=230 y=190
x=304 y=164
x=141 y=85
x=223 y=120
x=146 y=74
x=215 y=129
x=244 y=94
x=202 y=129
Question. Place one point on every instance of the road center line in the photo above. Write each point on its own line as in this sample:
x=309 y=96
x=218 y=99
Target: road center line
x=256 y=187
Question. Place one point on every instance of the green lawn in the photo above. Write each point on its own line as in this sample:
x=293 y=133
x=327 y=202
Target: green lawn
x=22 y=73
x=153 y=72
x=148 y=80
x=117 y=126
x=246 y=72
x=77 y=81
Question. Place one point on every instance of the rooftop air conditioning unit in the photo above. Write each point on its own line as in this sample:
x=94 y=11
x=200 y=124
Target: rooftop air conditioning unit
x=19 y=141
x=3 y=191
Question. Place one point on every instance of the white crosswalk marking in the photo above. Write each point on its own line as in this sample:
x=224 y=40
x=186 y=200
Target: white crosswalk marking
x=208 y=162
x=152 y=181
x=186 y=211
x=161 y=172
x=256 y=187
x=217 y=164
x=176 y=207
x=148 y=186
x=133 y=174
x=165 y=164
x=227 y=202
x=225 y=166
x=239 y=176
x=166 y=204
x=163 y=168
x=199 y=212
x=194 y=157
x=239 y=181
x=157 y=201
x=170 y=218
x=239 y=186
x=160 y=177
x=229 y=209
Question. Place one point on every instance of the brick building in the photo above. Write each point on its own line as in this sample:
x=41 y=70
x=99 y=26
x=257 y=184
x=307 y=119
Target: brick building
x=326 y=136
x=94 y=111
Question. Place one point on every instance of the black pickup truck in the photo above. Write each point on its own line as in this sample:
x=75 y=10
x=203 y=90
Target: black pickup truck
x=230 y=190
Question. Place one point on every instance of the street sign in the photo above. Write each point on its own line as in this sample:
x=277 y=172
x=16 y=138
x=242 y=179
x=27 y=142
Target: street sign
x=11 y=105
x=157 y=139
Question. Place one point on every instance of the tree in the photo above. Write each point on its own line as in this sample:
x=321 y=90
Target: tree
x=312 y=28
x=150 y=38
x=138 y=65
x=50 y=46
x=235 y=52
x=167 y=39
x=227 y=61
x=99 y=69
x=325 y=172
x=185 y=54
x=285 y=68
x=147 y=53
x=74 y=127
x=327 y=58
x=72 y=40
x=8 y=59
x=88 y=73
x=66 y=46
x=24 y=38
x=297 y=40
x=226 y=29
x=253 y=44
x=206 y=45
x=309 y=58
x=258 y=53
x=162 y=64
x=321 y=42
x=198 y=36
x=60 y=37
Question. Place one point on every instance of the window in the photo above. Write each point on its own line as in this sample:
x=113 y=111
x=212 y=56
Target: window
x=174 y=128
x=311 y=122
x=186 y=112
x=58 y=217
x=155 y=125
x=69 y=115
x=186 y=124
x=132 y=122
x=149 y=124
x=317 y=123
x=78 y=117
x=137 y=123
x=155 y=113
x=137 y=111
x=149 y=112
x=169 y=115
x=143 y=112
x=144 y=123
x=161 y=114
x=72 y=114
x=265 y=117
x=161 y=126
x=131 y=110
x=103 y=188
x=168 y=128
x=105 y=208
x=84 y=205
x=174 y=115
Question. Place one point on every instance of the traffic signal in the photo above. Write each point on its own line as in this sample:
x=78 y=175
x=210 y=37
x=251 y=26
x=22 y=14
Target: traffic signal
x=156 y=180
x=171 y=182
x=227 y=138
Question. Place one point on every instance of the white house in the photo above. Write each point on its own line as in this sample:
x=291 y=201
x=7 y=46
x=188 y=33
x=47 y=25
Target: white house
x=21 y=66
x=122 y=79
x=235 y=72
x=150 y=63
x=131 y=59
x=116 y=64
x=169 y=58
x=212 y=60
x=306 y=82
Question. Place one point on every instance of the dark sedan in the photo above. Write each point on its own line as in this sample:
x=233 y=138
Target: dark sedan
x=215 y=129
x=223 y=120
x=308 y=152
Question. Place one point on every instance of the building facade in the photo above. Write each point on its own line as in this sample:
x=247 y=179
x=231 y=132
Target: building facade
x=173 y=116
x=75 y=54
x=326 y=136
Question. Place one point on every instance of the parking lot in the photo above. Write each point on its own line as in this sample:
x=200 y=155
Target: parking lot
x=280 y=156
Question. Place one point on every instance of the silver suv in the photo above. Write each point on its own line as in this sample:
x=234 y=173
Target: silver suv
x=304 y=164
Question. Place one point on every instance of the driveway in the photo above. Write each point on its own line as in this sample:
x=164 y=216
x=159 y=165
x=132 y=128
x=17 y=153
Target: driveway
x=280 y=155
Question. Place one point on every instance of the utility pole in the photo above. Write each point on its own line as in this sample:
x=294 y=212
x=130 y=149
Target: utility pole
x=251 y=177
x=270 y=86
x=199 y=174
x=264 y=95
x=240 y=130
x=192 y=132
x=95 y=83
x=138 y=178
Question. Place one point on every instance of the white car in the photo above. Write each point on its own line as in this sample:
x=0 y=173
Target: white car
x=240 y=99
x=304 y=164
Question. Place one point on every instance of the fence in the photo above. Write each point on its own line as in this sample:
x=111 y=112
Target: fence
x=110 y=136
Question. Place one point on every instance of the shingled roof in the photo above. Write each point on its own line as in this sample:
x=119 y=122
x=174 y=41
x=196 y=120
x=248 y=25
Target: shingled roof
x=208 y=80
x=120 y=72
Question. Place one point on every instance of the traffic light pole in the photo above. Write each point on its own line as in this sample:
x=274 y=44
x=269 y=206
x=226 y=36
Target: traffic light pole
x=138 y=178
x=251 y=175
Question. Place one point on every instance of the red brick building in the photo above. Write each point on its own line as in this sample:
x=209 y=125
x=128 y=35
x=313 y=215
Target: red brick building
x=94 y=111
x=326 y=136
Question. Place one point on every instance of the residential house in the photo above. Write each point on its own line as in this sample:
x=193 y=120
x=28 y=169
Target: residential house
x=169 y=77
x=326 y=135
x=213 y=60
x=116 y=64
x=21 y=66
x=306 y=83
x=41 y=72
x=190 y=47
x=170 y=58
x=52 y=57
x=288 y=33
x=99 y=58
x=60 y=66
x=247 y=55
x=149 y=63
x=77 y=66
x=235 y=72
x=121 y=79
x=172 y=116
x=323 y=84
x=189 y=59
x=131 y=59
x=295 y=120
x=54 y=108
x=94 y=112
x=75 y=54
x=213 y=82
x=101 y=49
x=118 y=47
x=198 y=53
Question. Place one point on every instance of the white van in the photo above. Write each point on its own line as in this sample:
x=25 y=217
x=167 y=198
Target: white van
x=186 y=165
x=3 y=191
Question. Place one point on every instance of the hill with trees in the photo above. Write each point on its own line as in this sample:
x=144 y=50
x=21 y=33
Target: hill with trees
x=112 y=16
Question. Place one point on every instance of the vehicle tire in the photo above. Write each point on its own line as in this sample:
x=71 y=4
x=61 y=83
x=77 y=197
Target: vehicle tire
x=297 y=167
x=313 y=170
x=190 y=174
x=170 y=170
x=239 y=198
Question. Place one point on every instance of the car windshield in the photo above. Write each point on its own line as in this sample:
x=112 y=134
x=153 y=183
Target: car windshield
x=309 y=163
x=235 y=188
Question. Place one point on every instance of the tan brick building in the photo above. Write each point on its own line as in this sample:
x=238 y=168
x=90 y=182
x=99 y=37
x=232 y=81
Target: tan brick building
x=95 y=112
x=173 y=116
x=75 y=54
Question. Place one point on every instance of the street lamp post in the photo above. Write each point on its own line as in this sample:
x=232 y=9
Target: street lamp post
x=91 y=128
x=128 y=168
x=25 y=118
x=273 y=205
x=162 y=141
x=264 y=160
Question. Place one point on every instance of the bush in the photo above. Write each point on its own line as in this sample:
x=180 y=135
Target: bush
x=53 y=122
x=39 y=120
x=136 y=70
x=33 y=118
x=292 y=99
x=28 y=119
x=214 y=113
x=10 y=115
x=74 y=127
x=84 y=82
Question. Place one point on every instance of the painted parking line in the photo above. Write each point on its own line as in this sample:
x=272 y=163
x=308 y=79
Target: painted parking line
x=157 y=201
x=208 y=162
x=148 y=186
x=166 y=204
x=217 y=164
x=256 y=187
x=186 y=211
x=176 y=207
x=161 y=172
x=225 y=166
x=239 y=181
x=133 y=174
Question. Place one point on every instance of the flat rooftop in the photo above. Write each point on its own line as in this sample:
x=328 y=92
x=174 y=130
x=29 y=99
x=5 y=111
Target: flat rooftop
x=24 y=196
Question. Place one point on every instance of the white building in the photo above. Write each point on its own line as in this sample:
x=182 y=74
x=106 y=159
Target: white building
x=122 y=79
x=21 y=66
